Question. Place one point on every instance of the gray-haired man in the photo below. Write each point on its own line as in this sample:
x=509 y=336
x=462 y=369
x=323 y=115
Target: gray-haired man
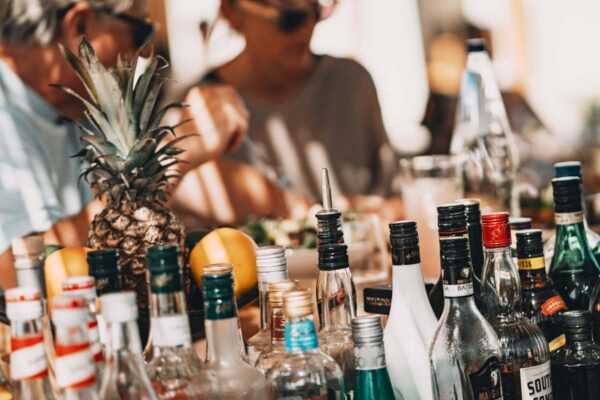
x=38 y=178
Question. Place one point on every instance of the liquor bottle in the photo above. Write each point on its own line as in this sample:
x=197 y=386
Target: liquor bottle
x=482 y=137
x=75 y=373
x=525 y=358
x=236 y=378
x=542 y=304
x=561 y=170
x=465 y=351
x=272 y=267
x=276 y=348
x=574 y=269
x=517 y=225
x=372 y=380
x=336 y=303
x=28 y=364
x=576 y=366
x=174 y=368
x=411 y=323
x=305 y=371
x=125 y=375
x=329 y=220
x=85 y=286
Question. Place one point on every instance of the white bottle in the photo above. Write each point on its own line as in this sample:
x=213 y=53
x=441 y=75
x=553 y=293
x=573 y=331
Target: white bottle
x=411 y=322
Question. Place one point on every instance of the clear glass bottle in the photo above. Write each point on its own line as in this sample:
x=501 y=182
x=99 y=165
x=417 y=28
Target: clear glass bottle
x=124 y=376
x=75 y=373
x=276 y=348
x=29 y=368
x=465 y=344
x=576 y=366
x=574 y=269
x=525 y=355
x=542 y=304
x=411 y=323
x=372 y=381
x=272 y=267
x=336 y=303
x=236 y=378
x=305 y=371
x=174 y=368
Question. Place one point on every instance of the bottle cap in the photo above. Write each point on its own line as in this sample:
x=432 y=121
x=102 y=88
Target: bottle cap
x=472 y=211
x=80 y=285
x=297 y=303
x=404 y=239
x=451 y=218
x=520 y=223
x=333 y=256
x=69 y=310
x=475 y=45
x=577 y=319
x=530 y=244
x=23 y=303
x=567 y=168
x=217 y=285
x=329 y=226
x=567 y=194
x=163 y=258
x=28 y=246
x=495 y=230
x=119 y=307
x=367 y=330
x=277 y=289
x=271 y=263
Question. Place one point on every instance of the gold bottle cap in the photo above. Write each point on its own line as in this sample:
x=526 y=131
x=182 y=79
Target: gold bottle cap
x=277 y=289
x=297 y=303
x=217 y=269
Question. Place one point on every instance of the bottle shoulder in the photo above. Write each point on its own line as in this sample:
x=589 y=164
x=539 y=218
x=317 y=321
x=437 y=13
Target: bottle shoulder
x=584 y=354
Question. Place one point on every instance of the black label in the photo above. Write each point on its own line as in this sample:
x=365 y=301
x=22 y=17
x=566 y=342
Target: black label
x=486 y=382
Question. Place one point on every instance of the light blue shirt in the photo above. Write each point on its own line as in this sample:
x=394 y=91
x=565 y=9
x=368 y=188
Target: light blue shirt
x=38 y=177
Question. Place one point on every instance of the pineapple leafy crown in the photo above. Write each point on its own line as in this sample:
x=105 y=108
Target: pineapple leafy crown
x=122 y=137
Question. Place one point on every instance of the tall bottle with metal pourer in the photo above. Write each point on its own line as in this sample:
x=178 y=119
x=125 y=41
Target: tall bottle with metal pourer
x=329 y=220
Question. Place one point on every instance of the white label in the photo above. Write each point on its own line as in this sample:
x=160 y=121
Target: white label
x=369 y=357
x=171 y=331
x=466 y=289
x=535 y=382
x=73 y=369
x=28 y=362
x=568 y=218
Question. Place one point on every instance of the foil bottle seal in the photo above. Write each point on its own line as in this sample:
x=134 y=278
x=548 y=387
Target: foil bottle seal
x=495 y=230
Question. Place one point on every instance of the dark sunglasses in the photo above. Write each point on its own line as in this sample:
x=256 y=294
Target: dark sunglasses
x=288 y=20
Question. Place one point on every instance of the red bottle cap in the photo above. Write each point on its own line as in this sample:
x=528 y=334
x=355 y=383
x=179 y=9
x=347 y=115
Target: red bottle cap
x=495 y=230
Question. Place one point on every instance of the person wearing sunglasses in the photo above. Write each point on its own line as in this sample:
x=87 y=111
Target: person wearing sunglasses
x=39 y=190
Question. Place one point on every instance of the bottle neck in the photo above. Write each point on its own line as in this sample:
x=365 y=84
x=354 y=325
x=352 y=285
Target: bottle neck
x=571 y=237
x=368 y=357
x=277 y=325
x=169 y=322
x=30 y=273
x=336 y=299
x=263 y=294
x=300 y=334
x=501 y=284
x=222 y=331
x=578 y=337
x=123 y=336
x=74 y=368
x=532 y=272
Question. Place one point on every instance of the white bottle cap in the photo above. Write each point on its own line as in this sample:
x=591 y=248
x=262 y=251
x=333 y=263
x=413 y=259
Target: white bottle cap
x=69 y=310
x=119 y=307
x=23 y=303
x=28 y=245
x=81 y=285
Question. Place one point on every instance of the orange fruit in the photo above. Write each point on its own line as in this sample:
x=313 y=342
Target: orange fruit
x=227 y=245
x=70 y=261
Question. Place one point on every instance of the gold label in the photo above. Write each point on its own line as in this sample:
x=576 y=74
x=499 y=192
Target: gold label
x=557 y=343
x=531 y=263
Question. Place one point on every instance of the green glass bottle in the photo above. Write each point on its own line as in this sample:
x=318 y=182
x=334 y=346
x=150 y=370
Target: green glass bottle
x=372 y=381
x=574 y=268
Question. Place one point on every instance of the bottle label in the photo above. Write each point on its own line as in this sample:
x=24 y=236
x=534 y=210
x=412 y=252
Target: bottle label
x=74 y=366
x=369 y=357
x=300 y=335
x=462 y=290
x=219 y=309
x=568 y=218
x=557 y=343
x=166 y=282
x=553 y=305
x=529 y=264
x=95 y=345
x=486 y=382
x=171 y=331
x=28 y=358
x=536 y=383
x=278 y=326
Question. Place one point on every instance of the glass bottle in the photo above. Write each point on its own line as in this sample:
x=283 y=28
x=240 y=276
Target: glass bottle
x=573 y=169
x=272 y=267
x=465 y=351
x=174 y=368
x=574 y=269
x=576 y=366
x=525 y=357
x=517 y=225
x=411 y=323
x=28 y=364
x=276 y=348
x=336 y=303
x=542 y=304
x=125 y=375
x=372 y=381
x=482 y=136
x=75 y=373
x=236 y=378
x=85 y=286
x=305 y=371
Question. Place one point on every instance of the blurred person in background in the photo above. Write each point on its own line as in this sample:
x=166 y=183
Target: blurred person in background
x=39 y=189
x=306 y=112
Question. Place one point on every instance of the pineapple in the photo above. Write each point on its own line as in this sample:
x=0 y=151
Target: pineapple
x=128 y=162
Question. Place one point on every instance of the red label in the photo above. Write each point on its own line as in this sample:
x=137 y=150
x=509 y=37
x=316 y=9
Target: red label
x=74 y=368
x=17 y=343
x=552 y=305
